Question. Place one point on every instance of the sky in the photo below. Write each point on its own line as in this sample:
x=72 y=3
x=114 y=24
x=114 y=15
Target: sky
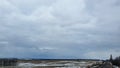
x=59 y=29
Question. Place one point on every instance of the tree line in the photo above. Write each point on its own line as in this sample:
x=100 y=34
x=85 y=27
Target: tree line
x=115 y=61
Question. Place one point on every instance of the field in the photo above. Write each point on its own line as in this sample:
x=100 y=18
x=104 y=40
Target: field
x=51 y=64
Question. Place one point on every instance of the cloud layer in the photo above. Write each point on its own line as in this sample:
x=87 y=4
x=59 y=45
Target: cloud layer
x=59 y=28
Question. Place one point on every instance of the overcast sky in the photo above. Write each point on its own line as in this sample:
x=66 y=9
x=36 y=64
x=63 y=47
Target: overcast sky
x=59 y=28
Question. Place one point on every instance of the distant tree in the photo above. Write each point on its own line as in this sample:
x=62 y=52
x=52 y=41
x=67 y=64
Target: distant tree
x=116 y=61
x=111 y=59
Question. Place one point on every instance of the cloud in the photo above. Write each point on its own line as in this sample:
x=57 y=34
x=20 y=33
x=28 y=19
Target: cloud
x=58 y=28
x=102 y=54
